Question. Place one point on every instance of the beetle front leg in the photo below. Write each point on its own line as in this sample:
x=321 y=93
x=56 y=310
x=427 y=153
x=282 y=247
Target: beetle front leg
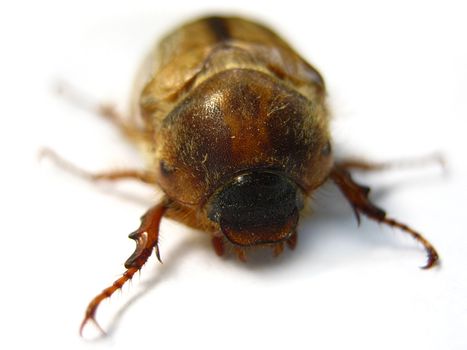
x=357 y=195
x=146 y=237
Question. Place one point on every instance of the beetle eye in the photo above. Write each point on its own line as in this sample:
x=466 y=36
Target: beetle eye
x=165 y=168
x=326 y=151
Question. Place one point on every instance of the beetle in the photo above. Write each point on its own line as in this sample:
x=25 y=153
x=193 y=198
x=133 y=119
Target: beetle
x=236 y=129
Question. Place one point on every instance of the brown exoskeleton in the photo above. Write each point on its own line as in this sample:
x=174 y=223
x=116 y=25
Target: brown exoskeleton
x=237 y=131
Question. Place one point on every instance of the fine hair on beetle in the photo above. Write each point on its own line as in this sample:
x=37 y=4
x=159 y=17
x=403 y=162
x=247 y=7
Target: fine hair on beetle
x=235 y=128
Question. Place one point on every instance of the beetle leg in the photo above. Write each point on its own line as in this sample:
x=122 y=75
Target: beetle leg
x=146 y=237
x=218 y=245
x=241 y=253
x=278 y=248
x=107 y=111
x=292 y=241
x=143 y=176
x=363 y=165
x=357 y=195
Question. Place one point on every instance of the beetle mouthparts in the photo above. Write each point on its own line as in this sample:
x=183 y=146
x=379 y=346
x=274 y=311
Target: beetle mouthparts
x=273 y=232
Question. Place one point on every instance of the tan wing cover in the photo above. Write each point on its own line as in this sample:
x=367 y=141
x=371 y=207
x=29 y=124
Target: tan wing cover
x=200 y=49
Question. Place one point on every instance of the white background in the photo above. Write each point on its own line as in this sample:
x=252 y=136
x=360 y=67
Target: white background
x=397 y=79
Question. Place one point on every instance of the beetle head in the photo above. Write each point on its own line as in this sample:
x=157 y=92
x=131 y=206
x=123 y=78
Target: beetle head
x=258 y=207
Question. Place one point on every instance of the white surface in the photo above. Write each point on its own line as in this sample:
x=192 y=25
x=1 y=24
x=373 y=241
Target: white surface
x=397 y=78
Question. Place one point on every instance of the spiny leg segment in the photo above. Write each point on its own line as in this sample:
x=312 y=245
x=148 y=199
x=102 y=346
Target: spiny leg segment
x=357 y=195
x=146 y=237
